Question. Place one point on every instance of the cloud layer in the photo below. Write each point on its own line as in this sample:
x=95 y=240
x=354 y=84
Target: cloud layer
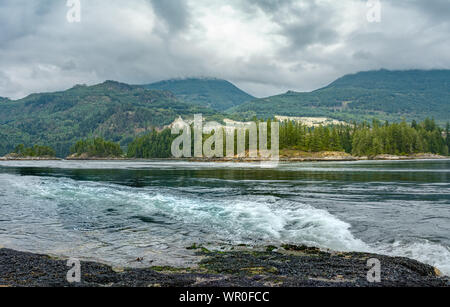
x=263 y=46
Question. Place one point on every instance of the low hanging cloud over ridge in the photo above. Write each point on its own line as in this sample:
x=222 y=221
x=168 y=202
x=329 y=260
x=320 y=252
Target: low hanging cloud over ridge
x=263 y=46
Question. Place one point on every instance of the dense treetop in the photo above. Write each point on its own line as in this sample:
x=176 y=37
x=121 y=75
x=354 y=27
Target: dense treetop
x=358 y=139
x=34 y=151
x=97 y=147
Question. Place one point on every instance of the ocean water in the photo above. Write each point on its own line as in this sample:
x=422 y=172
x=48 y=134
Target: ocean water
x=114 y=212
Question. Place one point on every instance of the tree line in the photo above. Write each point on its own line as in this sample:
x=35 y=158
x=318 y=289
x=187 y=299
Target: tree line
x=96 y=147
x=368 y=139
x=357 y=139
x=152 y=145
x=401 y=139
x=361 y=139
x=34 y=151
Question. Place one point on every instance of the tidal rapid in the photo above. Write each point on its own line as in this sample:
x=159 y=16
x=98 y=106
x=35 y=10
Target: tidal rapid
x=115 y=212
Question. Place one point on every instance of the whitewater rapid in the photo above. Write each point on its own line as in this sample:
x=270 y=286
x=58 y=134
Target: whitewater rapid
x=115 y=223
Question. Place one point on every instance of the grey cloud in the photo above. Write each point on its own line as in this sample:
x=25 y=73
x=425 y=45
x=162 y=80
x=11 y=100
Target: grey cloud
x=310 y=23
x=309 y=29
x=362 y=55
x=174 y=12
x=268 y=6
x=40 y=51
x=436 y=10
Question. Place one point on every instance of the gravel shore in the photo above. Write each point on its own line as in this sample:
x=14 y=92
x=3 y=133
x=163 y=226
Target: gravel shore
x=289 y=266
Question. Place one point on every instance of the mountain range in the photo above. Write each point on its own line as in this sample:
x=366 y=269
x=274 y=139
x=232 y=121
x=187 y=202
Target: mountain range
x=113 y=110
x=383 y=94
x=119 y=112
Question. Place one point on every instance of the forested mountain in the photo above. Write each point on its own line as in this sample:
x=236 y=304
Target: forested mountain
x=215 y=93
x=120 y=112
x=115 y=111
x=383 y=94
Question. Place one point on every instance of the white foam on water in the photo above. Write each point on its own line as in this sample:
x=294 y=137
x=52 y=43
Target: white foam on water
x=259 y=219
x=268 y=220
x=424 y=251
x=235 y=219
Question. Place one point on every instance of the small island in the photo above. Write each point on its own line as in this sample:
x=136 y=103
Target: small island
x=36 y=152
x=96 y=149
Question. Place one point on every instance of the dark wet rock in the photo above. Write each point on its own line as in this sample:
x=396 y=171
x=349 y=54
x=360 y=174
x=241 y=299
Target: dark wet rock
x=291 y=266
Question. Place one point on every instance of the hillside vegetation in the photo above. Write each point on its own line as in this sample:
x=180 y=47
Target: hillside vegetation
x=383 y=95
x=120 y=113
x=115 y=111
x=215 y=93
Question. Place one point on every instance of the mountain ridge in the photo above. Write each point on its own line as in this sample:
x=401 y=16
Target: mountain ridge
x=112 y=110
x=216 y=93
x=381 y=94
x=119 y=112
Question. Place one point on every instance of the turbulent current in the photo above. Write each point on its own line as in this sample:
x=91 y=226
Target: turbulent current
x=115 y=212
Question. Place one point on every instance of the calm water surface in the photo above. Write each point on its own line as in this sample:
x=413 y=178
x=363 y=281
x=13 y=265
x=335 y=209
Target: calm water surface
x=117 y=211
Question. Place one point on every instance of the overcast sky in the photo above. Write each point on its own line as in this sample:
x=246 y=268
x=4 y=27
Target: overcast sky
x=265 y=47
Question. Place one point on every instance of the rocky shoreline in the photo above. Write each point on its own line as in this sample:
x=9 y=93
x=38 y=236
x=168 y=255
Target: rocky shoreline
x=286 y=157
x=287 y=266
x=321 y=157
x=6 y=158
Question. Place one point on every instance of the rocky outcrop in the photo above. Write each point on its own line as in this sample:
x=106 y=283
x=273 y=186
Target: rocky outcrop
x=287 y=266
x=86 y=156
x=15 y=157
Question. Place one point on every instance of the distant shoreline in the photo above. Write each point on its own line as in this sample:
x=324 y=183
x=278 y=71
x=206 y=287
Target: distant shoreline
x=30 y=159
x=330 y=158
x=313 y=157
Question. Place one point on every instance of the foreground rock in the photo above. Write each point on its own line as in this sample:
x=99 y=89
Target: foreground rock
x=290 y=266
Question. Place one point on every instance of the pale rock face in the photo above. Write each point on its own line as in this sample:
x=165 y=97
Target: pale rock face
x=229 y=125
x=180 y=123
x=312 y=121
